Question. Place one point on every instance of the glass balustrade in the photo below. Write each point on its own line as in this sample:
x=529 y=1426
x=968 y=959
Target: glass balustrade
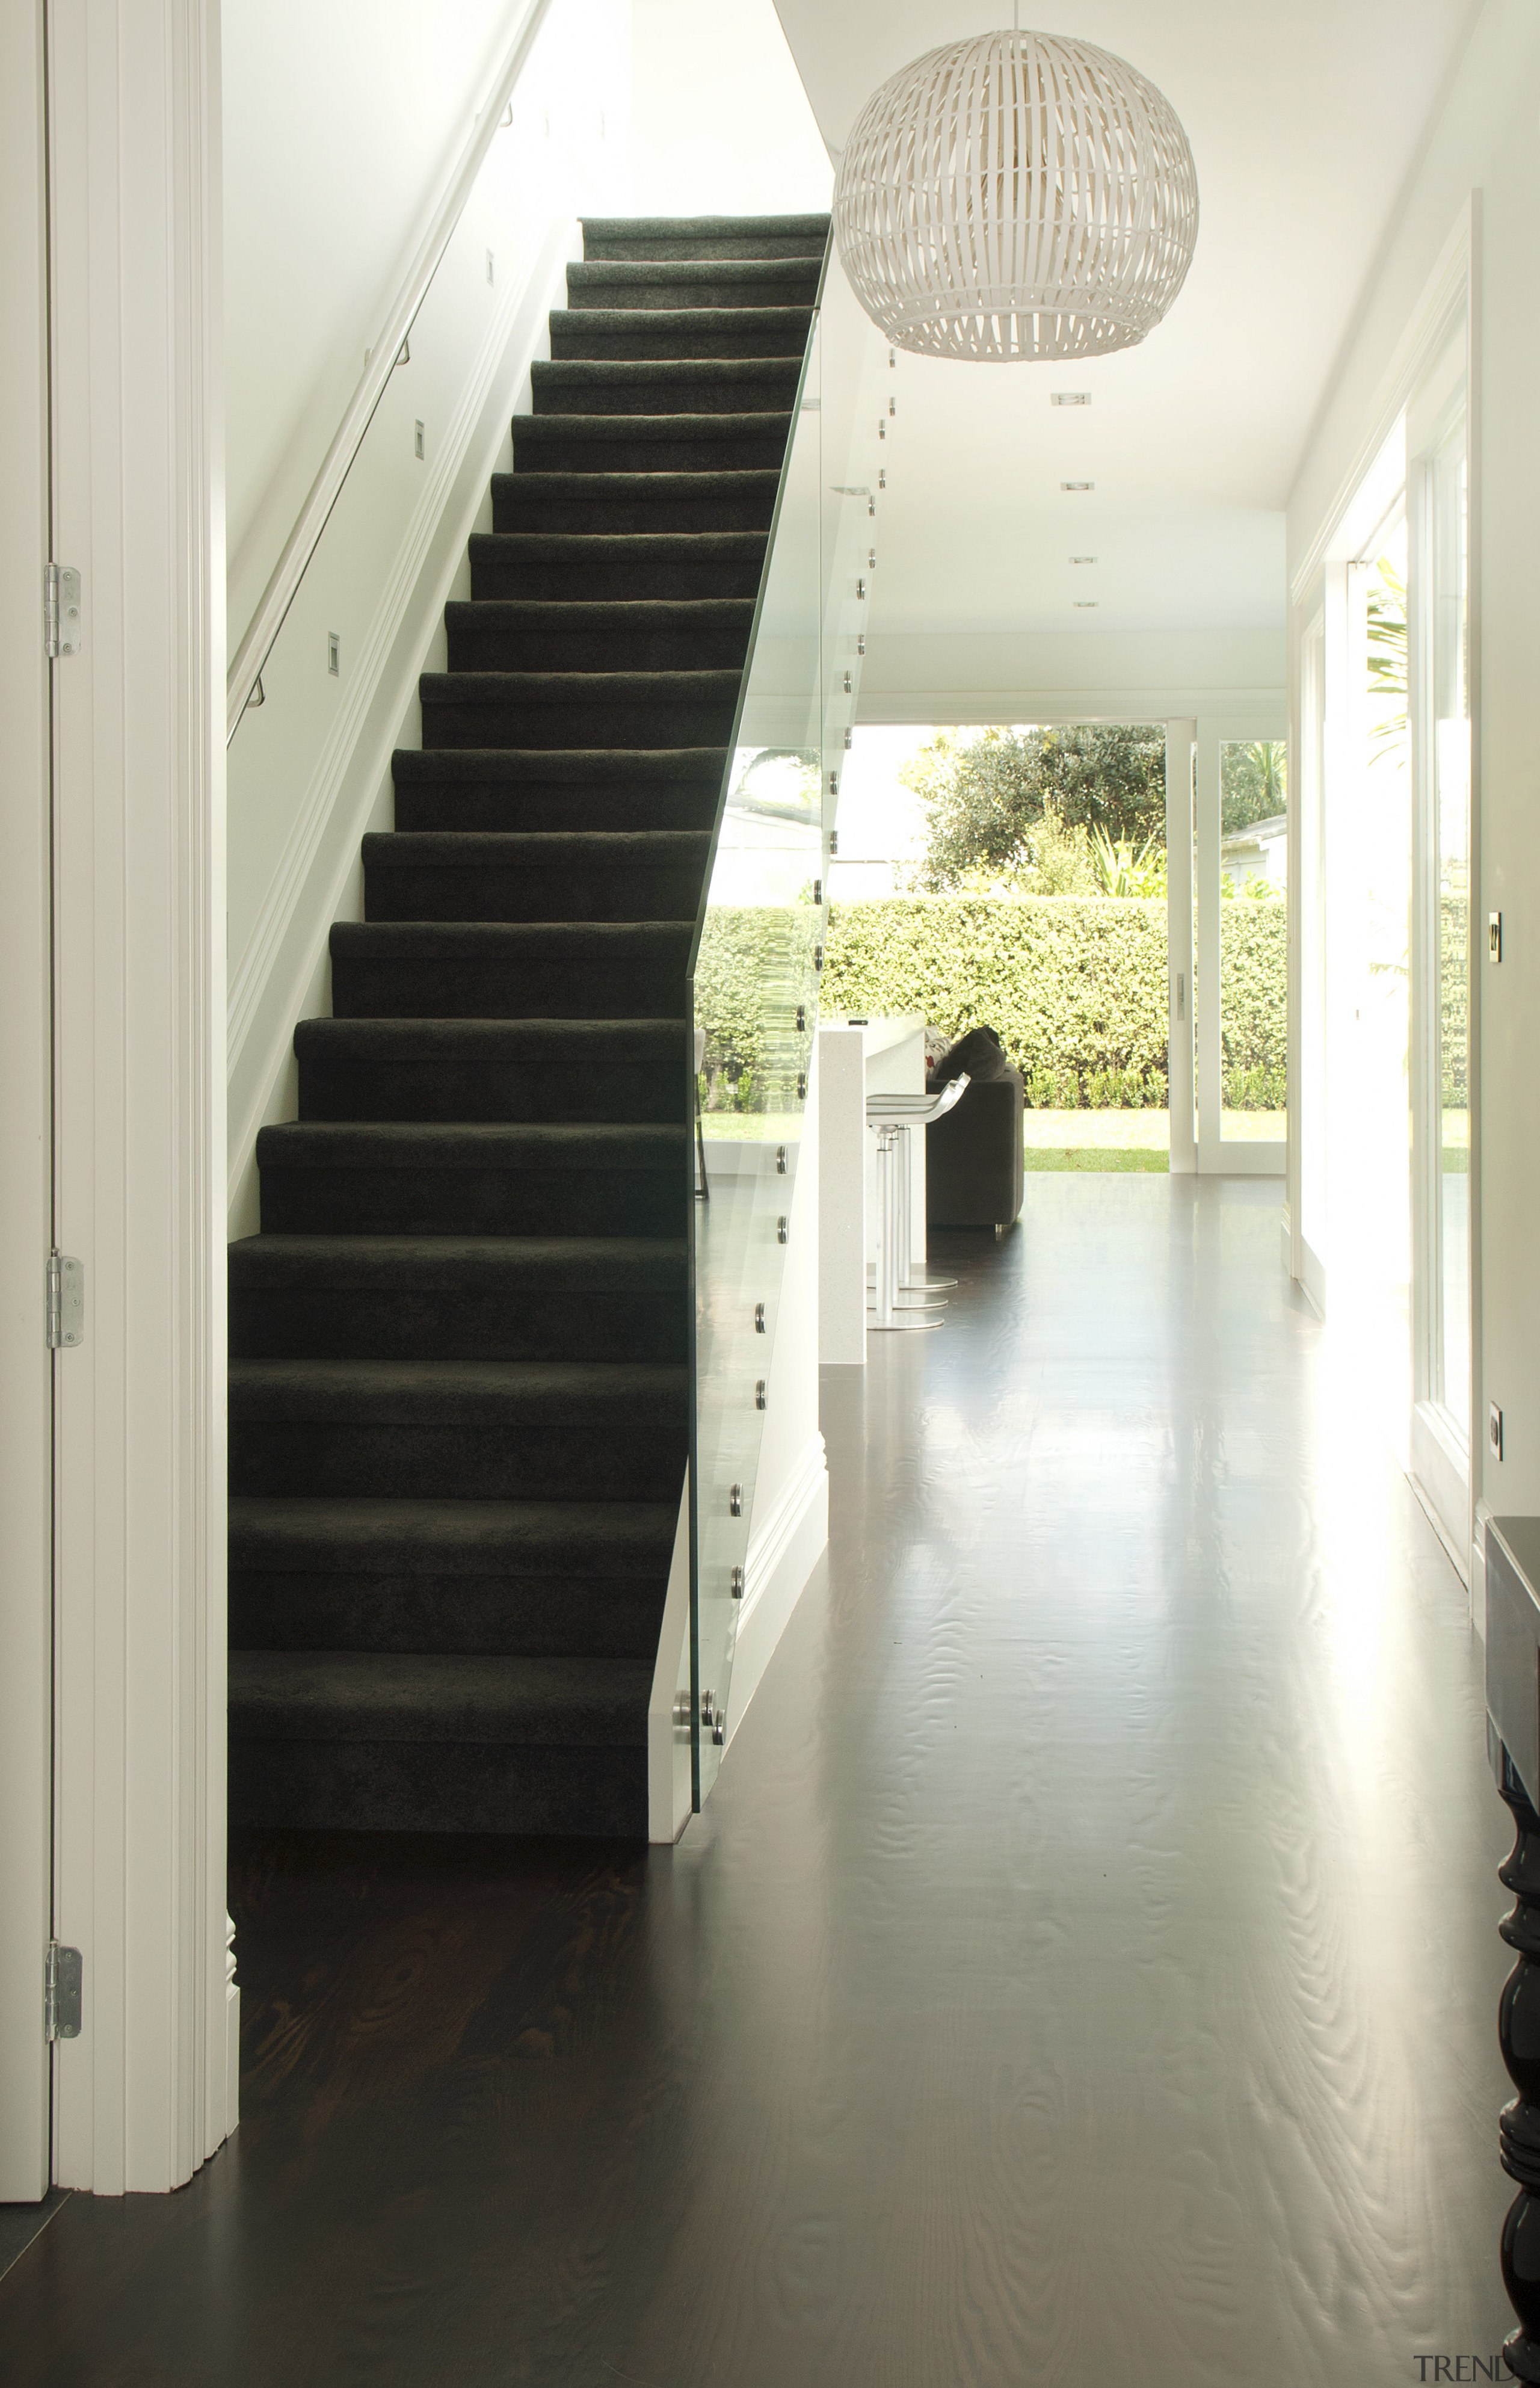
x=759 y=952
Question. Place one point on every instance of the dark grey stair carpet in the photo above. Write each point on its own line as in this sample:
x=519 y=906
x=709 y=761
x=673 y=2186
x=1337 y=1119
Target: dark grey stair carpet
x=457 y=1384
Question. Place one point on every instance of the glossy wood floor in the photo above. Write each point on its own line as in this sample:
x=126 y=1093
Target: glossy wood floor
x=1085 y=1971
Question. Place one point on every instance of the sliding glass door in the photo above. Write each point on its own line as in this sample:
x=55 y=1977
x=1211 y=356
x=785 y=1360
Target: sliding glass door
x=1382 y=1238
x=1439 y=688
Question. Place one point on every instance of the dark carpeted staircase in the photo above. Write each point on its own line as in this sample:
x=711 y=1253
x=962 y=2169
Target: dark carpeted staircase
x=457 y=1387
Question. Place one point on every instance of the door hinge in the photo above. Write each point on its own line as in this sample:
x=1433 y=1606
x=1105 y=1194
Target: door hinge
x=63 y=1975
x=61 y=610
x=66 y=1302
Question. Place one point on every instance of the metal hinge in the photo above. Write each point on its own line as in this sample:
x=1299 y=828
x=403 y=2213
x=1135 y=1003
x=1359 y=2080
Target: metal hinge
x=66 y=1302
x=61 y=610
x=62 y=1978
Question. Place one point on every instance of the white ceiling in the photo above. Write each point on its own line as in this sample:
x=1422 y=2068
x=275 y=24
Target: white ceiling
x=1304 y=119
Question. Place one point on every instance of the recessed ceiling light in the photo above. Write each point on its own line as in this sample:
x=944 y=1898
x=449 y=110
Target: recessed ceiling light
x=1085 y=559
x=1076 y=484
x=1071 y=398
x=1086 y=604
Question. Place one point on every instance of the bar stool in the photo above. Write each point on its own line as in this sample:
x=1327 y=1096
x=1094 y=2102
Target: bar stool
x=902 y=1302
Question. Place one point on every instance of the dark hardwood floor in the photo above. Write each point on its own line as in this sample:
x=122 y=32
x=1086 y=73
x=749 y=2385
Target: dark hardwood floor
x=1086 y=1968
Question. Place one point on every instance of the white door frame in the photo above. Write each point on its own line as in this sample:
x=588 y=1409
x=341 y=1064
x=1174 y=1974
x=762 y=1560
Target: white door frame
x=25 y=1150
x=1215 y=1157
x=1180 y=1050
x=146 y=2092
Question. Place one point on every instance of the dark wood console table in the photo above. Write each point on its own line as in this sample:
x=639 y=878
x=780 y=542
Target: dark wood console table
x=1513 y=1740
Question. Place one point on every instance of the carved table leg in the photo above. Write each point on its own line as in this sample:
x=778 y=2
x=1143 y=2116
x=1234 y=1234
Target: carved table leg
x=1518 y=2038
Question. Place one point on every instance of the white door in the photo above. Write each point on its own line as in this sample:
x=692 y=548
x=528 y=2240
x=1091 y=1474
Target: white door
x=26 y=1542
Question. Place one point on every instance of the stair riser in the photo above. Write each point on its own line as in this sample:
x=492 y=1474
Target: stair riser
x=476 y=1202
x=530 y=1616
x=566 y=722
x=490 y=1091
x=554 y=805
x=540 y=447
x=348 y=1323
x=436 y=1787
x=560 y=502
x=584 y=986
x=615 y=577
x=593 y=894
x=593 y=286
x=767 y=388
x=600 y=1450
x=482 y=639
x=640 y=337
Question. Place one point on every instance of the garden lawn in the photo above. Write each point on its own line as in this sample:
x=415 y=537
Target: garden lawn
x=1127 y=1139
x=1099 y=1140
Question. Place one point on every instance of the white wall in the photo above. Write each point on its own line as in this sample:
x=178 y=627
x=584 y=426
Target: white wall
x=1485 y=138
x=1015 y=676
x=722 y=125
x=342 y=121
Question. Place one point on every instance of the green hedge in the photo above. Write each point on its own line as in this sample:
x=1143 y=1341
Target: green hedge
x=755 y=967
x=1075 y=986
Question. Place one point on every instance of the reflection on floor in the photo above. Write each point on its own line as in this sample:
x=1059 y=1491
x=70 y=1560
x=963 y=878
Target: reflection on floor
x=1086 y=1968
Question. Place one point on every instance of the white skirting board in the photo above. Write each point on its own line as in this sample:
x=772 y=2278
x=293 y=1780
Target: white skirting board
x=781 y=1558
x=1478 y=1570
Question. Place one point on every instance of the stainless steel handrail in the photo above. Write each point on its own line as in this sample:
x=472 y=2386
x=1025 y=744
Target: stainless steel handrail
x=257 y=644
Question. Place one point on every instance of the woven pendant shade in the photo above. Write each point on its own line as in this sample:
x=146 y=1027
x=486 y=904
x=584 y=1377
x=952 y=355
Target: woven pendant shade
x=1014 y=196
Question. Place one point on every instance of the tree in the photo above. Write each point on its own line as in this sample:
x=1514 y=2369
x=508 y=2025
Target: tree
x=1253 y=782
x=986 y=791
x=1387 y=657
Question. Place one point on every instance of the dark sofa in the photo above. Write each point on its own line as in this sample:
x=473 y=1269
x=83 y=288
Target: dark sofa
x=973 y=1156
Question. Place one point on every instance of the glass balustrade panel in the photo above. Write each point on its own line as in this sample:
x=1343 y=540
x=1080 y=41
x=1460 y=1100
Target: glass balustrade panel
x=755 y=984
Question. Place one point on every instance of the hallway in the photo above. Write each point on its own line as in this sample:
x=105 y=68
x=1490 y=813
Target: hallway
x=1086 y=1967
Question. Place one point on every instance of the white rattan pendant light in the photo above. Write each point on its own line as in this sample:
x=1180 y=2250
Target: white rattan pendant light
x=1014 y=196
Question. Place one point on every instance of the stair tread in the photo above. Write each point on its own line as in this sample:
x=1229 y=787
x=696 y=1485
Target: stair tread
x=393 y=1695
x=766 y=423
x=681 y=482
x=598 y=613
x=590 y=1263
x=580 y=765
x=406 y=1391
x=473 y=1143
x=582 y=546
x=622 y=373
x=811 y=222
x=419 y=937
x=405 y=1038
x=580 y=687
x=467 y=849
x=659 y=273
x=293 y=1533
x=619 y=321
